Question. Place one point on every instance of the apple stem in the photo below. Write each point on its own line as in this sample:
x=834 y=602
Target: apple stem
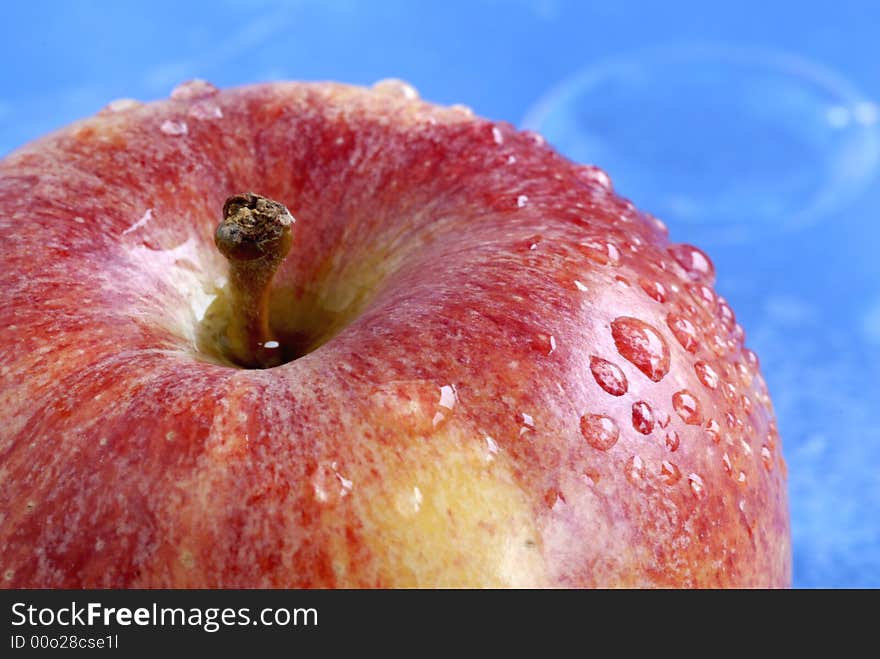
x=254 y=236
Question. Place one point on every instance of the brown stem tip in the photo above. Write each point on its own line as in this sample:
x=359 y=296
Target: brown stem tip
x=254 y=236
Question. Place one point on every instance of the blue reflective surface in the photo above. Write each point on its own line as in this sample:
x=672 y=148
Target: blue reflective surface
x=805 y=285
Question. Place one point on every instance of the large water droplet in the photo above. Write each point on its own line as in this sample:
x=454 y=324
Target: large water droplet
x=193 y=89
x=608 y=376
x=684 y=331
x=696 y=264
x=687 y=407
x=669 y=472
x=600 y=431
x=642 y=417
x=706 y=375
x=642 y=345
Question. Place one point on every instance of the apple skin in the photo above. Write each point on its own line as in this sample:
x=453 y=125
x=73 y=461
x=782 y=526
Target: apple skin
x=516 y=380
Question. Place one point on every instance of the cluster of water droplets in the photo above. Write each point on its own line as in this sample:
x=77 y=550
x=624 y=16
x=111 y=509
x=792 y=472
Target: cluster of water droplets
x=703 y=325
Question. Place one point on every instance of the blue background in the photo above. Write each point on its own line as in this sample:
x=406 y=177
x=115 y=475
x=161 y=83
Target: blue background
x=808 y=296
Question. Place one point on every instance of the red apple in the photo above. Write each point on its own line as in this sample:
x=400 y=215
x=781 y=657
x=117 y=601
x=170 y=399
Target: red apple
x=496 y=371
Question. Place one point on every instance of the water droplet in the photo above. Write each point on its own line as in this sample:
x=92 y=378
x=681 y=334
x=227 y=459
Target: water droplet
x=704 y=295
x=745 y=447
x=544 y=344
x=634 y=470
x=741 y=478
x=687 y=407
x=395 y=87
x=767 y=457
x=730 y=392
x=447 y=402
x=696 y=484
x=642 y=417
x=328 y=485
x=175 y=128
x=593 y=176
x=713 y=431
x=706 y=375
x=120 y=105
x=744 y=374
x=601 y=252
x=530 y=244
x=669 y=472
x=608 y=376
x=694 y=261
x=718 y=345
x=751 y=359
x=658 y=224
x=580 y=286
x=730 y=418
x=447 y=396
x=511 y=160
x=642 y=345
x=600 y=432
x=746 y=403
x=554 y=498
x=725 y=314
x=673 y=440
x=592 y=474
x=725 y=460
x=623 y=281
x=684 y=331
x=662 y=418
x=738 y=336
x=497 y=135
x=521 y=201
x=654 y=289
x=193 y=89
x=527 y=423
x=205 y=110
x=536 y=138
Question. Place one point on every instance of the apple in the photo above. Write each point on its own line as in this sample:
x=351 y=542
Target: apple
x=317 y=335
